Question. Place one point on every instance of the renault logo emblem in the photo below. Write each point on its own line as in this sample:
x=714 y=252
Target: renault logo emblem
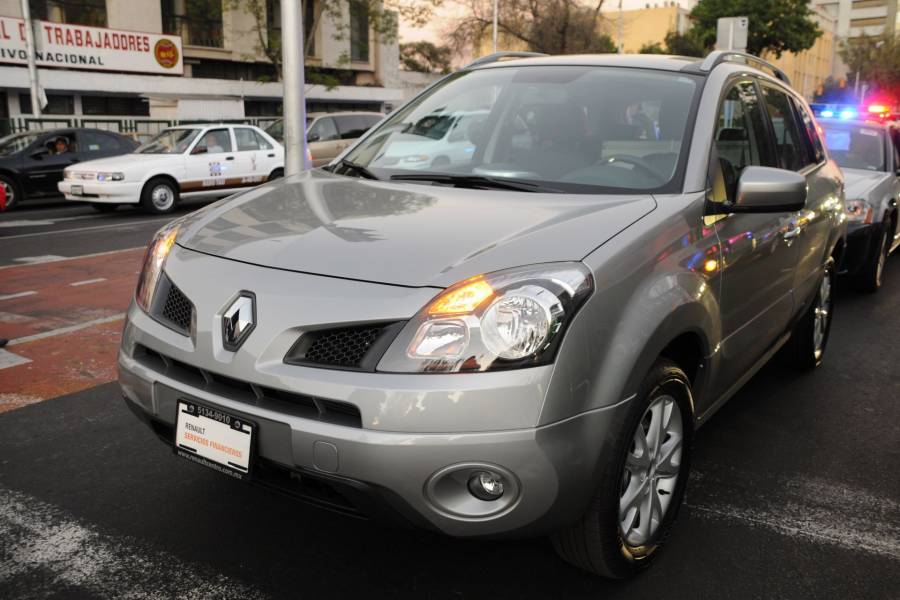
x=239 y=320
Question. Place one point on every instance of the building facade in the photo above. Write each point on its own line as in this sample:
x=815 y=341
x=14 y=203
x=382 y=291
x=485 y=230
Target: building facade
x=856 y=18
x=809 y=69
x=96 y=61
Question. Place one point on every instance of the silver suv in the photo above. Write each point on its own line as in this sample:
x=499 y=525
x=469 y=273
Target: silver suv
x=520 y=343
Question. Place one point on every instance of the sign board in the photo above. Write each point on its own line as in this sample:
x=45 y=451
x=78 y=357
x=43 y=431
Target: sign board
x=91 y=48
x=731 y=33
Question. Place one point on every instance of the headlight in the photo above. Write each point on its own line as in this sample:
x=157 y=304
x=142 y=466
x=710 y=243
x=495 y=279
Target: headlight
x=503 y=320
x=859 y=211
x=154 y=261
x=110 y=176
x=67 y=174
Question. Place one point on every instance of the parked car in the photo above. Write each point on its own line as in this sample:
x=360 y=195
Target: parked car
x=869 y=154
x=32 y=162
x=189 y=161
x=438 y=140
x=329 y=134
x=521 y=344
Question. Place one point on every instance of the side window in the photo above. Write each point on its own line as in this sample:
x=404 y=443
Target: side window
x=740 y=140
x=246 y=139
x=789 y=145
x=812 y=133
x=213 y=141
x=895 y=144
x=262 y=142
x=95 y=142
x=323 y=130
x=351 y=126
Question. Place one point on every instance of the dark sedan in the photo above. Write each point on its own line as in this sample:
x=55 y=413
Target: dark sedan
x=32 y=162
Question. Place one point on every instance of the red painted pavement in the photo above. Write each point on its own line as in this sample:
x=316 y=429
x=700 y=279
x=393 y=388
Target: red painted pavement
x=67 y=362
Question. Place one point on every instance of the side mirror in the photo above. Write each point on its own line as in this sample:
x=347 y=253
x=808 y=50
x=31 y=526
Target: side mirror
x=767 y=190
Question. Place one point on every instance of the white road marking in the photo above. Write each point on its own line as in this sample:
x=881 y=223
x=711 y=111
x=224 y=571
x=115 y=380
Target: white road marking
x=41 y=542
x=122 y=225
x=814 y=509
x=88 y=281
x=44 y=222
x=8 y=359
x=25 y=223
x=30 y=260
x=18 y=295
x=34 y=260
x=63 y=330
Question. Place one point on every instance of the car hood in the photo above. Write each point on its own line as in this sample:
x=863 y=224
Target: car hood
x=404 y=233
x=122 y=162
x=858 y=182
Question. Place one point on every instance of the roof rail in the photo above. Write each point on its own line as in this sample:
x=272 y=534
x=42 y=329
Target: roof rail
x=500 y=56
x=717 y=57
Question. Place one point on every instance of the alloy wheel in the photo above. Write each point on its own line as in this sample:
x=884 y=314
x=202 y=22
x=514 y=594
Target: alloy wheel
x=822 y=315
x=882 y=258
x=10 y=193
x=652 y=469
x=162 y=197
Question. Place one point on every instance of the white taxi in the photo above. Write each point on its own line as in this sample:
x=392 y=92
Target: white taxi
x=188 y=161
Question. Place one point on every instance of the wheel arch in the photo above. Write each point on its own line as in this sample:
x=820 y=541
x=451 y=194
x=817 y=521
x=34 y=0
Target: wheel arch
x=161 y=175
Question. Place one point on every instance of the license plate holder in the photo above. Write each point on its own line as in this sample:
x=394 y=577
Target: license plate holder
x=215 y=438
x=77 y=190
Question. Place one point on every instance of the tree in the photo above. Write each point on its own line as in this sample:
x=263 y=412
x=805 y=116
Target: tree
x=685 y=44
x=425 y=57
x=876 y=61
x=654 y=48
x=549 y=26
x=383 y=17
x=776 y=26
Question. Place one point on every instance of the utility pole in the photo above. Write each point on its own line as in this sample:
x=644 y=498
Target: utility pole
x=495 y=25
x=619 y=42
x=32 y=67
x=295 y=154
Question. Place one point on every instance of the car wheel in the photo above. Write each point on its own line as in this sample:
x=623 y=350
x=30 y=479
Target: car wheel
x=809 y=338
x=159 y=195
x=104 y=207
x=642 y=485
x=276 y=174
x=12 y=189
x=869 y=278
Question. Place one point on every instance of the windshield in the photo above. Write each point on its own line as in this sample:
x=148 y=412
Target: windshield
x=169 y=141
x=855 y=146
x=574 y=128
x=16 y=142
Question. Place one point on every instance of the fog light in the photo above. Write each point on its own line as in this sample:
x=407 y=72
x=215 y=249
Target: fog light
x=486 y=485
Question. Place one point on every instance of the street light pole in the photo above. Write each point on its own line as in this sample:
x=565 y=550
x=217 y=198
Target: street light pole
x=619 y=30
x=495 y=25
x=32 y=67
x=295 y=155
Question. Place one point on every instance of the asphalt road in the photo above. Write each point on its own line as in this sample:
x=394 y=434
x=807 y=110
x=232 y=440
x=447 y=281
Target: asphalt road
x=794 y=493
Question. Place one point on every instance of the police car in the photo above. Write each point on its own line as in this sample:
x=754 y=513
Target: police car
x=188 y=161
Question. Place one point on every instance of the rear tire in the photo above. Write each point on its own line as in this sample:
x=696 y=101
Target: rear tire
x=159 y=196
x=868 y=279
x=13 y=191
x=642 y=485
x=103 y=207
x=809 y=338
x=276 y=174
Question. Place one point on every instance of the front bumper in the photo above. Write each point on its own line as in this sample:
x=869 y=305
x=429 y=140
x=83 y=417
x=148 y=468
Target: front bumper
x=861 y=244
x=113 y=192
x=415 y=435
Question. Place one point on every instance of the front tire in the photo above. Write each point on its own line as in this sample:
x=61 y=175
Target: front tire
x=809 y=338
x=869 y=278
x=159 y=196
x=642 y=485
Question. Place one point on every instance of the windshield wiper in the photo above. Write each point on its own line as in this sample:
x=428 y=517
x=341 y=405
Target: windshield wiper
x=360 y=170
x=476 y=181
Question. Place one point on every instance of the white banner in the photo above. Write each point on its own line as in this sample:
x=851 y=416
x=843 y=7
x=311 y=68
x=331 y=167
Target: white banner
x=92 y=48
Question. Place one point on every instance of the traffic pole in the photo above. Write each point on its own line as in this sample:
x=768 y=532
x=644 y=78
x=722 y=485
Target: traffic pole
x=32 y=67
x=296 y=158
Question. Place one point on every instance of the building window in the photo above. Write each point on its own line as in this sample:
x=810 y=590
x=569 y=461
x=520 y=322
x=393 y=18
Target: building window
x=263 y=108
x=129 y=106
x=359 y=32
x=56 y=104
x=198 y=22
x=273 y=24
x=227 y=69
x=76 y=12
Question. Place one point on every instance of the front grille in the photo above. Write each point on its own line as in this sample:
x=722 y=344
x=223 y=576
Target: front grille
x=357 y=348
x=177 y=309
x=300 y=405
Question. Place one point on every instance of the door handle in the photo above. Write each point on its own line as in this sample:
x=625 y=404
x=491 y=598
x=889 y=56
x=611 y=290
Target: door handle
x=229 y=158
x=272 y=155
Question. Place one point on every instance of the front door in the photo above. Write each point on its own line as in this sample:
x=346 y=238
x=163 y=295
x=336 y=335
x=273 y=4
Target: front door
x=757 y=260
x=212 y=163
x=45 y=160
x=324 y=141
